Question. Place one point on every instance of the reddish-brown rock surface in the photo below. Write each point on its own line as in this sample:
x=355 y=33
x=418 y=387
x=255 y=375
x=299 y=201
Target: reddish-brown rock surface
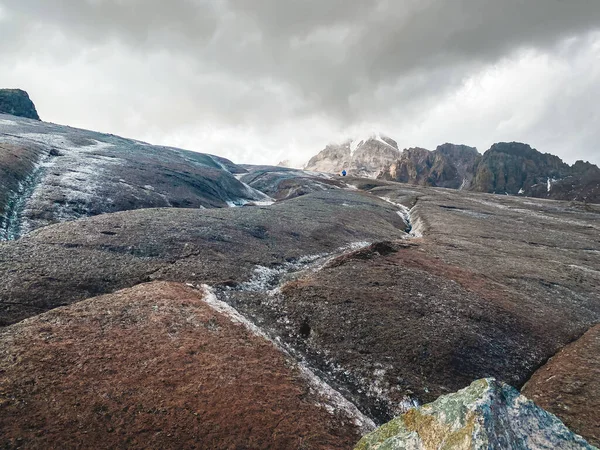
x=569 y=386
x=154 y=367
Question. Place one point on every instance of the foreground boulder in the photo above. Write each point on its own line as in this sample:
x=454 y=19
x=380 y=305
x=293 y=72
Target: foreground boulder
x=155 y=366
x=569 y=385
x=17 y=103
x=486 y=415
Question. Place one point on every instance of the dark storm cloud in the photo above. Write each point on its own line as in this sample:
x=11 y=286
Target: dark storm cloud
x=263 y=63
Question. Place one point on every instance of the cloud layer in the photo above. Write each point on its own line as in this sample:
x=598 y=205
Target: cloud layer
x=265 y=80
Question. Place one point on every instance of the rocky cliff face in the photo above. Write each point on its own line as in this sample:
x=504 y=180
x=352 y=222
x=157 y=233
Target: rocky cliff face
x=17 y=103
x=513 y=168
x=449 y=166
x=506 y=168
x=487 y=415
x=362 y=157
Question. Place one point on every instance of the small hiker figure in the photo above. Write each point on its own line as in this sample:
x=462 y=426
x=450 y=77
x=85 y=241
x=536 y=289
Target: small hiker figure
x=344 y=172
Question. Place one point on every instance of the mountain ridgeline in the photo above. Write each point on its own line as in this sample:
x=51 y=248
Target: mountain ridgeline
x=506 y=168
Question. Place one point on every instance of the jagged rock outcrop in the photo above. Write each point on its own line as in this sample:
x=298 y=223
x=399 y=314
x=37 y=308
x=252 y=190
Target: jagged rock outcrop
x=16 y=102
x=362 y=157
x=487 y=415
x=569 y=385
x=53 y=173
x=449 y=166
x=582 y=184
x=513 y=168
x=156 y=366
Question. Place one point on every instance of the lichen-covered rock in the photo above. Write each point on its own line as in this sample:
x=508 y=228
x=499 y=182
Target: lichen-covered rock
x=486 y=415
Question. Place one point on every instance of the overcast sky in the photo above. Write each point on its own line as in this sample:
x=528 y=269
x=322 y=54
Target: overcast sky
x=259 y=81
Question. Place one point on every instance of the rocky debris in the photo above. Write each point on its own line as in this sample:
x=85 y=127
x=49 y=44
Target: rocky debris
x=362 y=157
x=485 y=415
x=155 y=366
x=282 y=183
x=68 y=262
x=16 y=102
x=569 y=385
x=450 y=166
x=71 y=173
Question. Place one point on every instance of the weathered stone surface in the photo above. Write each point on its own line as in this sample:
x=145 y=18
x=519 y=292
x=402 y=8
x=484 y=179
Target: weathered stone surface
x=155 y=366
x=68 y=173
x=16 y=102
x=487 y=415
x=569 y=385
x=68 y=262
x=362 y=157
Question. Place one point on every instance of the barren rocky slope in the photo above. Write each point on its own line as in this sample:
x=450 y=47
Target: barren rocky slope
x=156 y=366
x=282 y=183
x=569 y=385
x=481 y=285
x=75 y=260
x=52 y=173
x=391 y=295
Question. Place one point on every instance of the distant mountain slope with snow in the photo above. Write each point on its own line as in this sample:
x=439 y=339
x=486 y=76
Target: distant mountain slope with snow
x=362 y=157
x=53 y=173
x=506 y=168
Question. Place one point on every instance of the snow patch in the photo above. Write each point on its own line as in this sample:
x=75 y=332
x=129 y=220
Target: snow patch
x=8 y=122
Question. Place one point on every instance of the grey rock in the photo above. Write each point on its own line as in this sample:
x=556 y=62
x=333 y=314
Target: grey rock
x=487 y=415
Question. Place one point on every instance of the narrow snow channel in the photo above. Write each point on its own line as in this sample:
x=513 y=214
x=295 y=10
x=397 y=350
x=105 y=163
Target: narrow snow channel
x=413 y=227
x=336 y=401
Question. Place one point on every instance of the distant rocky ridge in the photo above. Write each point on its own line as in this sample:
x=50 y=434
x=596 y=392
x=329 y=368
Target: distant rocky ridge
x=17 y=103
x=506 y=168
x=449 y=166
x=362 y=157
